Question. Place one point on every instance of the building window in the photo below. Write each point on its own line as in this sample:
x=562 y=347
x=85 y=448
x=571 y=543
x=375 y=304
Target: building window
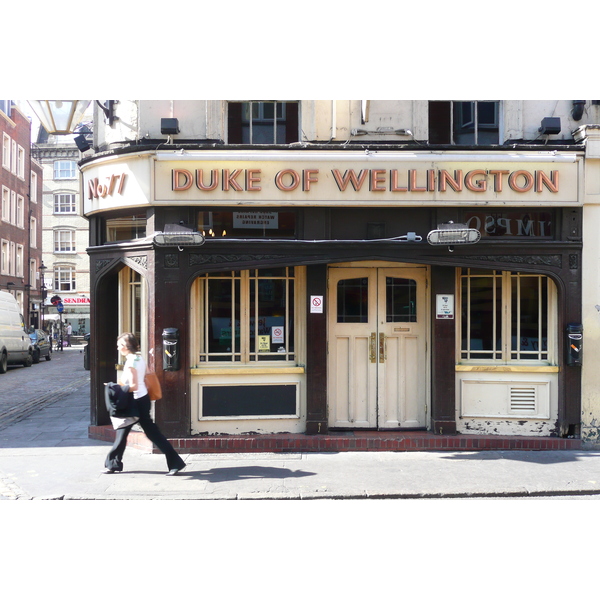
x=65 y=204
x=5 y=204
x=64 y=240
x=246 y=317
x=247 y=224
x=19 y=261
x=21 y=162
x=20 y=222
x=506 y=316
x=13 y=158
x=5 y=257
x=6 y=151
x=33 y=193
x=262 y=122
x=33 y=232
x=65 y=169
x=126 y=228
x=64 y=279
x=466 y=123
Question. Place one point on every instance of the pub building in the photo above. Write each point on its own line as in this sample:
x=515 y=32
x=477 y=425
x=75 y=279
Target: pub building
x=317 y=294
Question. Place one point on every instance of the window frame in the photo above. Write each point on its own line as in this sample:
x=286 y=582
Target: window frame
x=62 y=172
x=58 y=203
x=6 y=145
x=502 y=351
x=71 y=245
x=65 y=278
x=287 y=123
x=457 y=107
x=246 y=356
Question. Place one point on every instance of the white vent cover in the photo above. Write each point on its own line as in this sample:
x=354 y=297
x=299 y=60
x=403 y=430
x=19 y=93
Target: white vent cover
x=522 y=399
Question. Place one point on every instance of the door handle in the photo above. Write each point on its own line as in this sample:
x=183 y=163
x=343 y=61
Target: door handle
x=372 y=348
x=382 y=348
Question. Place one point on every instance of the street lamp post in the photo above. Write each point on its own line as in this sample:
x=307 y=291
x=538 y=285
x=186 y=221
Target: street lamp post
x=43 y=290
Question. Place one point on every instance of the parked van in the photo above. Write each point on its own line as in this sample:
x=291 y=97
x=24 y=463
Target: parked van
x=15 y=344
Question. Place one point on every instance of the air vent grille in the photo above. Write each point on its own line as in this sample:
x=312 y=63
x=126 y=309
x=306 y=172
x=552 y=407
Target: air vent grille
x=522 y=399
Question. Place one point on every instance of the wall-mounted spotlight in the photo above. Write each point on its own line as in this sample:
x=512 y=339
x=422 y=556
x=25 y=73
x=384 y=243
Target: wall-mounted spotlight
x=550 y=125
x=179 y=238
x=451 y=234
x=81 y=143
x=169 y=126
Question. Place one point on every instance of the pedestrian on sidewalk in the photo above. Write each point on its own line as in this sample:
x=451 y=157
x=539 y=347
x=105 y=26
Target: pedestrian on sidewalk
x=134 y=371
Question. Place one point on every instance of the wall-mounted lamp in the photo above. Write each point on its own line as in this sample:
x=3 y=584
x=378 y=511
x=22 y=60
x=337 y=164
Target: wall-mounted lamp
x=179 y=238
x=550 y=125
x=108 y=110
x=451 y=234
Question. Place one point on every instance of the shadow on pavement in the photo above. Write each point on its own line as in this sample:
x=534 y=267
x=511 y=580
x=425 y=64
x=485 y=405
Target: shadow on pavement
x=542 y=457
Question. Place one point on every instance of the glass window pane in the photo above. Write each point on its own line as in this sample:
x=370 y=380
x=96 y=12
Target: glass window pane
x=401 y=300
x=353 y=300
x=223 y=317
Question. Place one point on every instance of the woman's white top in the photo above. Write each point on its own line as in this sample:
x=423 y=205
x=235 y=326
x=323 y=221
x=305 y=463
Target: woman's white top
x=136 y=362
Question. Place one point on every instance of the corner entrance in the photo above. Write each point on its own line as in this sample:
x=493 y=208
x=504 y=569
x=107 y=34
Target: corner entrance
x=377 y=371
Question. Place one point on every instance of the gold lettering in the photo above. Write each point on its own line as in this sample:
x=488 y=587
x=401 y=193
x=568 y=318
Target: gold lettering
x=229 y=180
x=349 y=177
x=497 y=175
x=455 y=183
x=377 y=180
x=179 y=174
x=307 y=178
x=394 y=182
x=479 y=185
x=252 y=178
x=214 y=180
x=512 y=181
x=412 y=182
x=282 y=186
x=550 y=182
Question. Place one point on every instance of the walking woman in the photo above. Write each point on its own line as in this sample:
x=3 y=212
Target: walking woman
x=134 y=371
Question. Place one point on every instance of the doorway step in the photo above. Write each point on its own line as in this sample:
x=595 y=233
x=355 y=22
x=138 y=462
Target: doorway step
x=352 y=441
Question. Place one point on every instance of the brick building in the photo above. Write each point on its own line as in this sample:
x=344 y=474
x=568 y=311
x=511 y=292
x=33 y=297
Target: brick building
x=21 y=219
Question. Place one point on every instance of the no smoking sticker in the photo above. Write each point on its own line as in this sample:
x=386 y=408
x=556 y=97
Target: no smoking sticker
x=316 y=304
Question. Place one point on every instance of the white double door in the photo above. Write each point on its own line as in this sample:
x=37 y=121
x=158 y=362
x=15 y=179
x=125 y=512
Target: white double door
x=377 y=353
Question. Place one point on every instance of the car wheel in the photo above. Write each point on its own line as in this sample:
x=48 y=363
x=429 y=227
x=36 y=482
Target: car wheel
x=3 y=363
x=36 y=357
x=28 y=361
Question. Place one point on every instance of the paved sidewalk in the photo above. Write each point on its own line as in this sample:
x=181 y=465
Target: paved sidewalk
x=47 y=455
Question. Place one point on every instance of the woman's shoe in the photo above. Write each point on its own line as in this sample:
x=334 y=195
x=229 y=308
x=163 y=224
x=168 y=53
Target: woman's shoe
x=175 y=471
x=110 y=471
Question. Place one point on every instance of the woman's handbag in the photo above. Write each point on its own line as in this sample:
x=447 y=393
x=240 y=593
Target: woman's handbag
x=153 y=386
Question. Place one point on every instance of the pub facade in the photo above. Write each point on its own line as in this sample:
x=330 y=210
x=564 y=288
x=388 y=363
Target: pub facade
x=412 y=266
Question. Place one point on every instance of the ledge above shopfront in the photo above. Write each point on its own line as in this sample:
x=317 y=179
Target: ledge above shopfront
x=357 y=179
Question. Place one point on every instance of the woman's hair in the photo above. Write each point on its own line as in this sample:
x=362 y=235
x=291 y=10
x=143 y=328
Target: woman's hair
x=130 y=341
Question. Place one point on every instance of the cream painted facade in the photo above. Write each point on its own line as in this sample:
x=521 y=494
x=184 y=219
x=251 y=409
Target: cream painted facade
x=376 y=155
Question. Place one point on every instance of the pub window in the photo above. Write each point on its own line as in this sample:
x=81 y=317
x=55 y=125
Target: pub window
x=262 y=122
x=247 y=224
x=529 y=224
x=246 y=317
x=506 y=316
x=474 y=122
x=126 y=228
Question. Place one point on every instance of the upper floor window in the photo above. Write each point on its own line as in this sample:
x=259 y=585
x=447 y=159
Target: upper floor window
x=64 y=240
x=34 y=190
x=65 y=169
x=6 y=151
x=21 y=162
x=262 y=122
x=64 y=203
x=64 y=279
x=466 y=123
x=5 y=204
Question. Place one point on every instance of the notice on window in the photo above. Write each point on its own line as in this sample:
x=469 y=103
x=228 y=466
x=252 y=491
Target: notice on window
x=444 y=306
x=255 y=220
x=264 y=343
x=277 y=335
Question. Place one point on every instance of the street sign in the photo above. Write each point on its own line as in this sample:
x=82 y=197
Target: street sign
x=59 y=307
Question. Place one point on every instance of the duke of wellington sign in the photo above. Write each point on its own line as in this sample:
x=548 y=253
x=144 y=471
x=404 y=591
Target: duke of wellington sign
x=334 y=179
